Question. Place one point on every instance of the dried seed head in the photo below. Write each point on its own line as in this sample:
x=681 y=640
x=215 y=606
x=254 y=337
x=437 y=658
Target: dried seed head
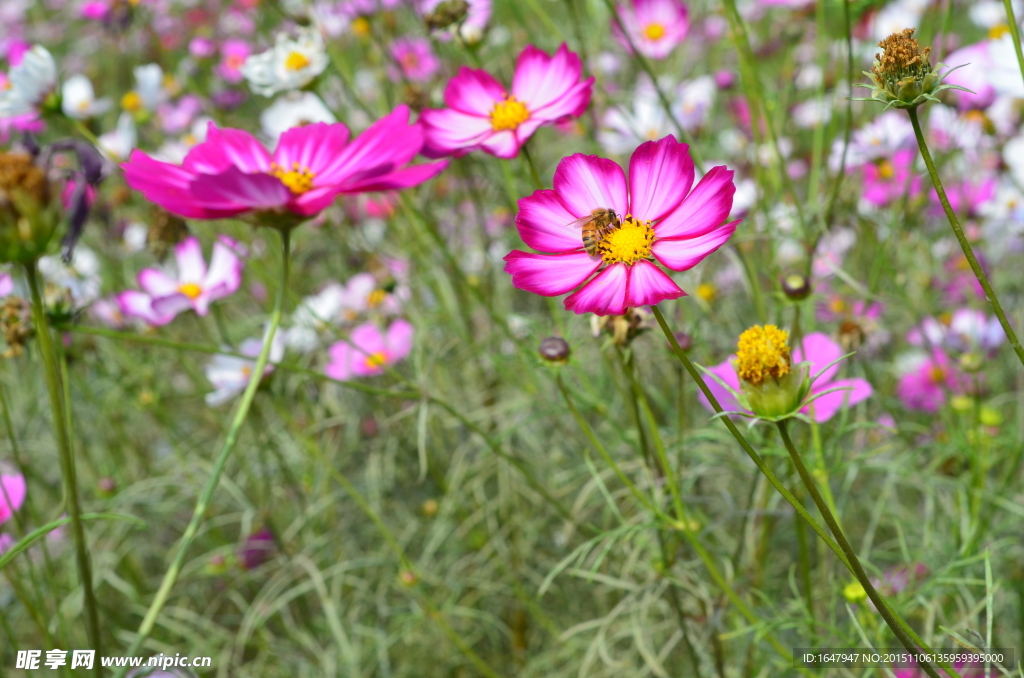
x=16 y=325
x=903 y=76
x=165 y=231
x=446 y=14
x=19 y=172
x=902 y=56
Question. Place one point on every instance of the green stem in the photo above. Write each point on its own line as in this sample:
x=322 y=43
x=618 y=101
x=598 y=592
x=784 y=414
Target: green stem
x=198 y=515
x=58 y=408
x=851 y=555
x=962 y=239
x=754 y=456
x=538 y=184
x=1014 y=31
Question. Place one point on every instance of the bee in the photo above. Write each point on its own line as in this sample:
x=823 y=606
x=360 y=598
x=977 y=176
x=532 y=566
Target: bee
x=596 y=226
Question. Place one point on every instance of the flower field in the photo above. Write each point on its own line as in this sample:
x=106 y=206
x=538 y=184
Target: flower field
x=554 y=338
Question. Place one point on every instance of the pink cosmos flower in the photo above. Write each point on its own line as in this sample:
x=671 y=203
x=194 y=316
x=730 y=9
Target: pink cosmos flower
x=12 y=495
x=164 y=297
x=889 y=179
x=481 y=114
x=367 y=351
x=821 y=351
x=233 y=55
x=415 y=58
x=656 y=27
x=967 y=197
x=661 y=219
x=231 y=173
x=924 y=387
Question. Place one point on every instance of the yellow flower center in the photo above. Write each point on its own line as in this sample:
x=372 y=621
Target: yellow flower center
x=937 y=375
x=375 y=298
x=706 y=291
x=131 y=102
x=886 y=170
x=190 y=290
x=508 y=114
x=246 y=371
x=298 y=180
x=235 y=61
x=375 y=360
x=629 y=243
x=654 y=32
x=361 y=27
x=296 y=61
x=997 y=32
x=410 y=61
x=837 y=305
x=763 y=352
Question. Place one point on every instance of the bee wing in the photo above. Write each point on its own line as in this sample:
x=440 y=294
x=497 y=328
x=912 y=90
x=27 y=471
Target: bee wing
x=581 y=222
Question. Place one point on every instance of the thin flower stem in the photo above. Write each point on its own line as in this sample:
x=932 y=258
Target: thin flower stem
x=858 y=569
x=1011 y=20
x=965 y=245
x=538 y=184
x=199 y=514
x=754 y=456
x=58 y=410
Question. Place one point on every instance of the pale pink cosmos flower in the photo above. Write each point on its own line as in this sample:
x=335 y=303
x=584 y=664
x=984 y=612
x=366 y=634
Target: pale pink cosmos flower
x=233 y=52
x=925 y=385
x=230 y=375
x=367 y=351
x=232 y=173
x=415 y=58
x=662 y=221
x=967 y=329
x=481 y=114
x=889 y=179
x=194 y=287
x=656 y=27
x=820 y=351
x=12 y=495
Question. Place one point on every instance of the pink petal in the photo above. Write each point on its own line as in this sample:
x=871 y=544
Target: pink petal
x=191 y=264
x=820 y=351
x=226 y=148
x=157 y=283
x=707 y=206
x=473 y=91
x=399 y=179
x=340 y=365
x=571 y=104
x=451 y=132
x=225 y=274
x=541 y=80
x=504 y=144
x=585 y=183
x=684 y=254
x=549 y=274
x=604 y=295
x=829 y=404
x=726 y=373
x=315 y=146
x=649 y=285
x=140 y=305
x=544 y=223
x=12 y=496
x=367 y=339
x=173 y=305
x=385 y=146
x=166 y=185
x=660 y=176
x=399 y=340
x=235 y=192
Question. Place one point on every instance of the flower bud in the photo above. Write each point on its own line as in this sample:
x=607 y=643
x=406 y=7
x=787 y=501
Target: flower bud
x=554 y=350
x=854 y=592
x=796 y=287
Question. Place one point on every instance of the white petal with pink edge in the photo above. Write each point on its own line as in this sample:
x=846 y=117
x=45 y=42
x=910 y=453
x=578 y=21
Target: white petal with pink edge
x=684 y=254
x=648 y=285
x=545 y=225
x=604 y=295
x=660 y=176
x=707 y=206
x=586 y=182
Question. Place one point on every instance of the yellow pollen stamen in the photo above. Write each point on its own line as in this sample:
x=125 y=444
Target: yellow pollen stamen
x=375 y=360
x=361 y=27
x=654 y=32
x=296 y=61
x=837 y=305
x=997 y=32
x=886 y=170
x=246 y=371
x=298 y=180
x=131 y=102
x=508 y=114
x=706 y=291
x=937 y=375
x=629 y=243
x=376 y=298
x=190 y=290
x=763 y=352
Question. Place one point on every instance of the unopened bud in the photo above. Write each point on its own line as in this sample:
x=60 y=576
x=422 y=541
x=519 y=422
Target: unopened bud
x=796 y=287
x=430 y=508
x=854 y=592
x=408 y=578
x=554 y=349
x=106 y=485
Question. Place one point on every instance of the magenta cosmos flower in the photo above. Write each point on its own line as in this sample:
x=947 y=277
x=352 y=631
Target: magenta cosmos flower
x=194 y=287
x=481 y=114
x=12 y=495
x=662 y=221
x=656 y=27
x=821 y=351
x=415 y=58
x=231 y=173
x=368 y=351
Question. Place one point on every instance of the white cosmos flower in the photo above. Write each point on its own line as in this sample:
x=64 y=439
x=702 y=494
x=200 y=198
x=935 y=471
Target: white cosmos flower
x=117 y=145
x=696 y=97
x=294 y=109
x=29 y=83
x=289 y=64
x=623 y=130
x=78 y=100
x=81 y=277
x=315 y=314
x=149 y=85
x=230 y=374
